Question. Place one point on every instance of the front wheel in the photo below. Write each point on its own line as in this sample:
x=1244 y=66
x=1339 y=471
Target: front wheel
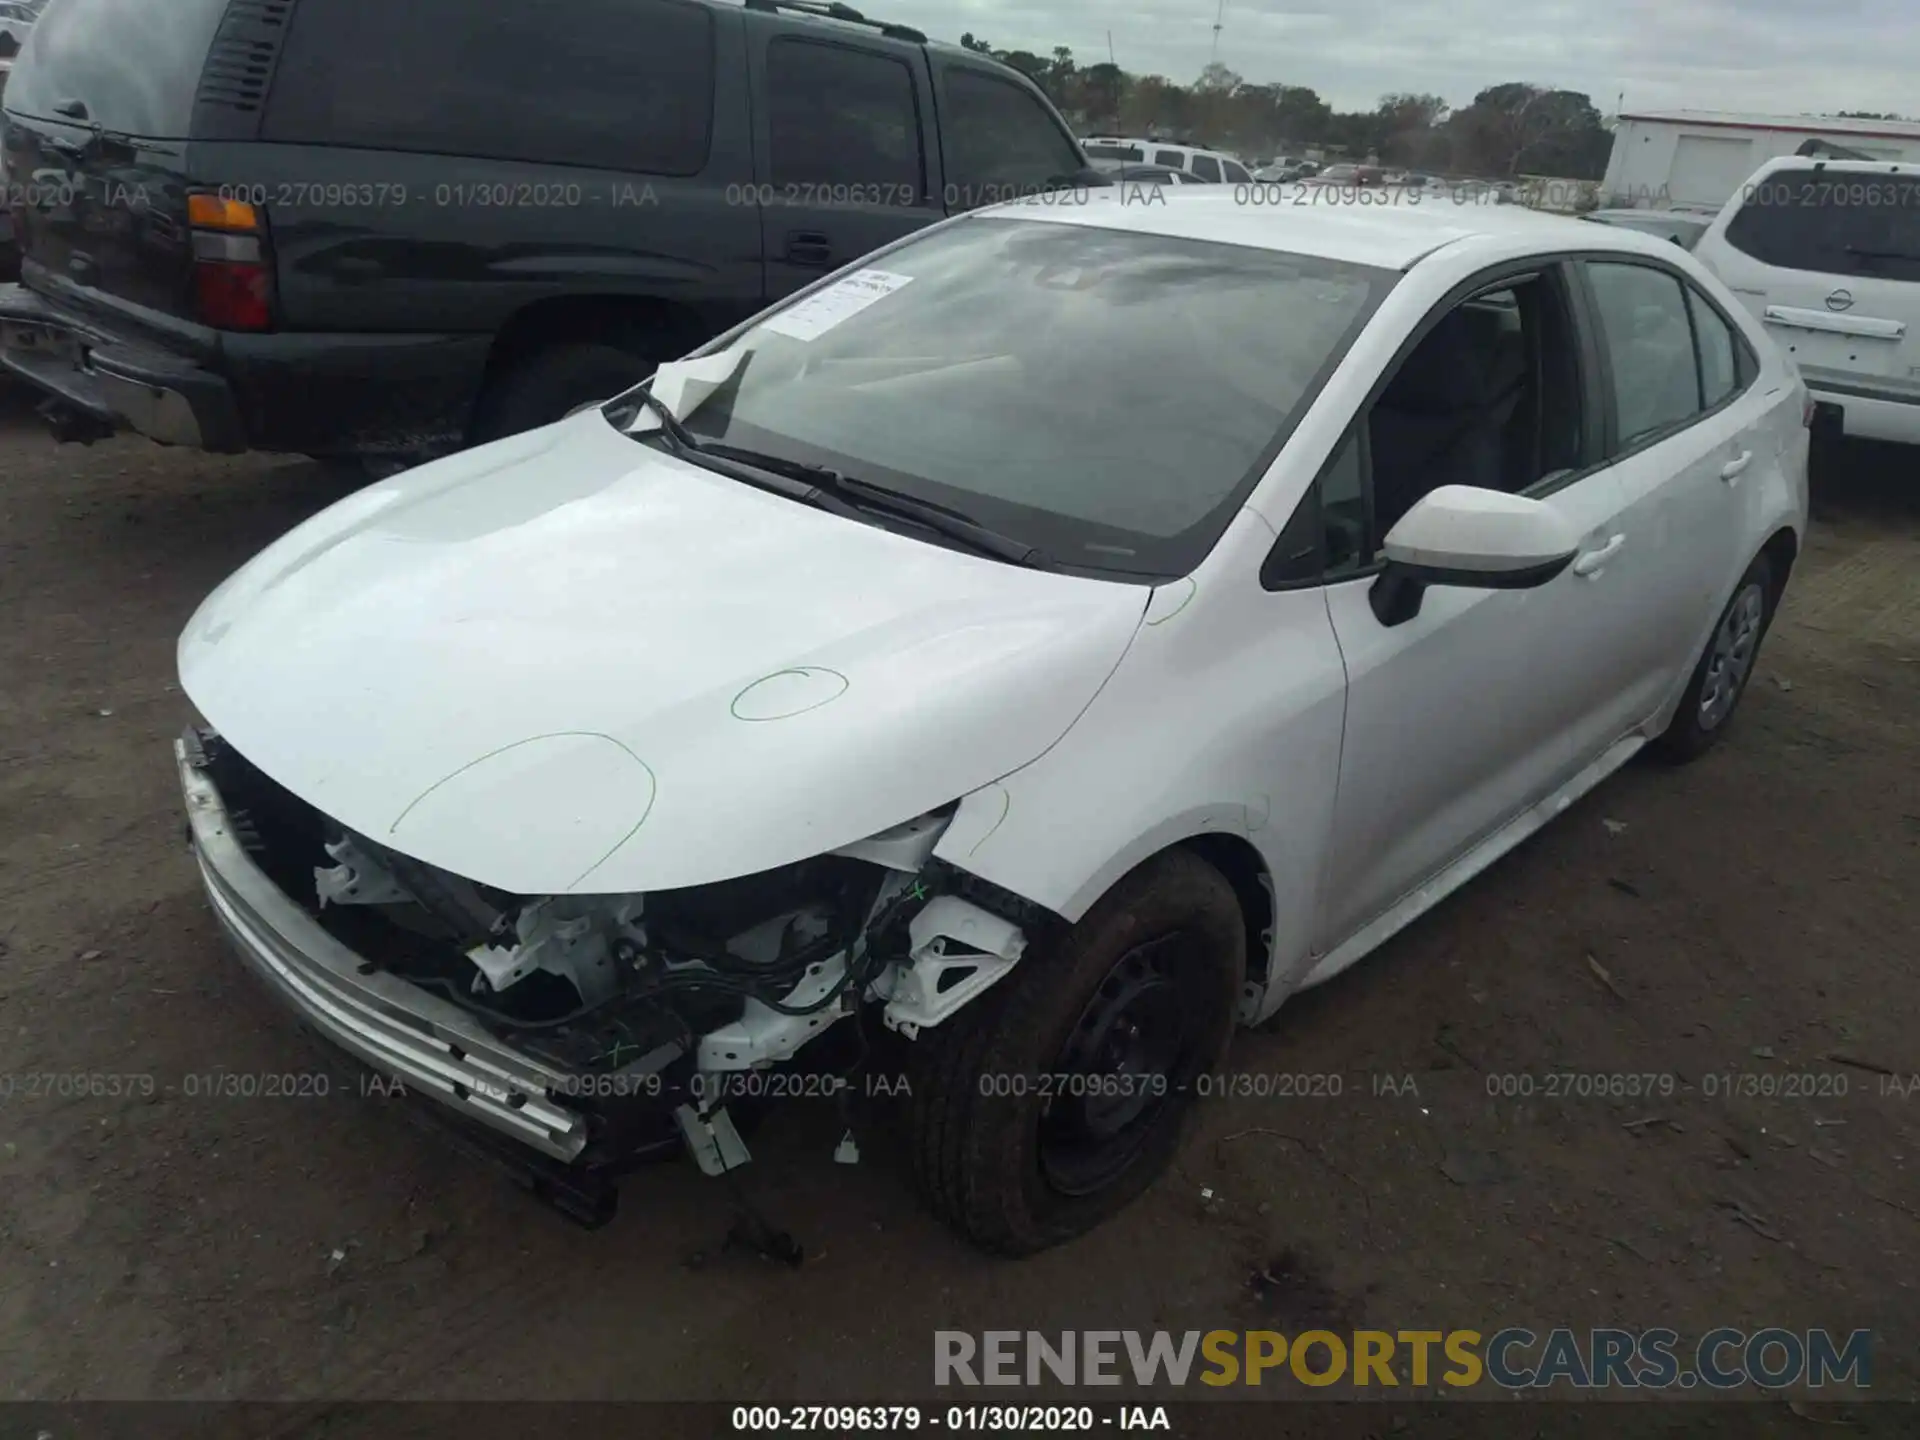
x=1055 y=1099
x=1720 y=678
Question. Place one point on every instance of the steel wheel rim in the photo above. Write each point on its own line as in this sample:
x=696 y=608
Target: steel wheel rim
x=1730 y=660
x=1137 y=1031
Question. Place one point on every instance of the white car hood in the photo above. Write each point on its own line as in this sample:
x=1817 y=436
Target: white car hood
x=567 y=661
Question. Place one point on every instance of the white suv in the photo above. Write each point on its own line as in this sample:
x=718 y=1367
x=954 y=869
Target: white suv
x=1209 y=166
x=1826 y=253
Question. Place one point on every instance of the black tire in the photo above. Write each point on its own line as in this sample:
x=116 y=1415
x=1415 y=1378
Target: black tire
x=1001 y=1168
x=1696 y=728
x=548 y=384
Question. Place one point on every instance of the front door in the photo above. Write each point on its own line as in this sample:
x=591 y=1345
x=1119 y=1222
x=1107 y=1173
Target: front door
x=1488 y=700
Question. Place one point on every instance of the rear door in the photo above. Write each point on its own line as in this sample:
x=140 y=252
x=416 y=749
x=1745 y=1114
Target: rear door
x=1829 y=261
x=1684 y=433
x=843 y=160
x=98 y=108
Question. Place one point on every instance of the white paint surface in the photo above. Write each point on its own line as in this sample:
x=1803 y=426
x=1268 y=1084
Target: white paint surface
x=473 y=662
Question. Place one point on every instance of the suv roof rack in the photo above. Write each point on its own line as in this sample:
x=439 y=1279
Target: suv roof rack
x=834 y=10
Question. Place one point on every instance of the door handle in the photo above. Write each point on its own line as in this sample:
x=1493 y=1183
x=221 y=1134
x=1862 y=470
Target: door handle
x=1732 y=470
x=808 y=247
x=1591 y=563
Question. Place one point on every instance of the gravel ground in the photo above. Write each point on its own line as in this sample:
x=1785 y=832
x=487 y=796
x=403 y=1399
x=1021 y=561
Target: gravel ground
x=1755 y=914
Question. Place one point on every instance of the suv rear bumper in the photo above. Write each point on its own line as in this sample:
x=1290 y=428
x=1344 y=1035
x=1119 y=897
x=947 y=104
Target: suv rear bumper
x=117 y=385
x=401 y=1031
x=1869 y=412
x=408 y=395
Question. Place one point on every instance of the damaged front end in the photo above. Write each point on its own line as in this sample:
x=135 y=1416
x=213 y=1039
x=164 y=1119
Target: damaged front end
x=588 y=1029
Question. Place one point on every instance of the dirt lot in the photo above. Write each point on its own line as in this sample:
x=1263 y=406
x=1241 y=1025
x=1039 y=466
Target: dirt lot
x=1756 y=914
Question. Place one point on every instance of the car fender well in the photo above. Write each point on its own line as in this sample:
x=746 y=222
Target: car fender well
x=1218 y=834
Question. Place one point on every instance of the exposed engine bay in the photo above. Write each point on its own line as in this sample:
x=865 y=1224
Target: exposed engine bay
x=649 y=999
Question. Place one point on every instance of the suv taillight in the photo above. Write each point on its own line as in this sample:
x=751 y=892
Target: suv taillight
x=232 y=272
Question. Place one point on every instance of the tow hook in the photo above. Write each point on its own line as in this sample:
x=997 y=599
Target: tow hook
x=71 y=426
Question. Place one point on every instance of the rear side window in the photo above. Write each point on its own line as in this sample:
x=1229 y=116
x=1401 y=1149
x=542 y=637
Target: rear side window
x=840 y=116
x=1113 y=152
x=1000 y=140
x=615 y=84
x=1835 y=223
x=1719 y=370
x=134 y=64
x=1649 y=344
x=1173 y=159
x=1206 y=168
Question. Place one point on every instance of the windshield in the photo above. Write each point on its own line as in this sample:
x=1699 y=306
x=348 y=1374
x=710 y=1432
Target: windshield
x=1106 y=397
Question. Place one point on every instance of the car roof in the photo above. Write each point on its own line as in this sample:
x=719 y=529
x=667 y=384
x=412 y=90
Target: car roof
x=1390 y=237
x=1842 y=167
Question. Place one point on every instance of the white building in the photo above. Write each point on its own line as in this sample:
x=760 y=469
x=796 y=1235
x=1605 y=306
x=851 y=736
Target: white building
x=1699 y=158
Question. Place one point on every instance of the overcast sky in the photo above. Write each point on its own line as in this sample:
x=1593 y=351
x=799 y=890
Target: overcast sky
x=1788 y=56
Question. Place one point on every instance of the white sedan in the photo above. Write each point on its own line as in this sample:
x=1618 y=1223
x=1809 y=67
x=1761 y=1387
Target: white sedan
x=1069 y=632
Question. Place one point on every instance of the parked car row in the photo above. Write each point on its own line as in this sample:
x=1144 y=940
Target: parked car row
x=1210 y=167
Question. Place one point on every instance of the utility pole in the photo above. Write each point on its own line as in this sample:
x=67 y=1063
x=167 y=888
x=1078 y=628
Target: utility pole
x=1116 y=83
x=1218 y=16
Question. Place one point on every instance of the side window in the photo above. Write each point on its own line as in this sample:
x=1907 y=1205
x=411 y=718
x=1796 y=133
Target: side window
x=841 y=116
x=1237 y=174
x=620 y=85
x=1719 y=370
x=1207 y=168
x=1325 y=539
x=1489 y=397
x=1649 y=345
x=1343 y=510
x=998 y=136
x=1171 y=158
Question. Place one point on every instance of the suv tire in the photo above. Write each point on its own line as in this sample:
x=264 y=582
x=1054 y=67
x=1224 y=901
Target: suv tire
x=548 y=384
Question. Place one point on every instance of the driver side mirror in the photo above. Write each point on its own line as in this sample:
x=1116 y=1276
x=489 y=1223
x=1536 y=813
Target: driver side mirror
x=1478 y=539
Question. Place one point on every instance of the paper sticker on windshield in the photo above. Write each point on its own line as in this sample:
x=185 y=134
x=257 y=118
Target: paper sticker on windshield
x=824 y=309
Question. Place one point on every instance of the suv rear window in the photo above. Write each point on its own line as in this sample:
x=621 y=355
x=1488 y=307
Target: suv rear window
x=614 y=84
x=1835 y=223
x=134 y=64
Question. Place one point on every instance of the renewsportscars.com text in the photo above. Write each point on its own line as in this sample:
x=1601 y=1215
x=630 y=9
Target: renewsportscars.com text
x=1512 y=1358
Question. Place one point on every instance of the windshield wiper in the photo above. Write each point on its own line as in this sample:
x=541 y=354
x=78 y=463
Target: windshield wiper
x=930 y=514
x=1867 y=254
x=743 y=465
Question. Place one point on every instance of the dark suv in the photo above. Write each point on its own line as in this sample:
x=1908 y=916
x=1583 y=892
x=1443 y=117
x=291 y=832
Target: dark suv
x=387 y=228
